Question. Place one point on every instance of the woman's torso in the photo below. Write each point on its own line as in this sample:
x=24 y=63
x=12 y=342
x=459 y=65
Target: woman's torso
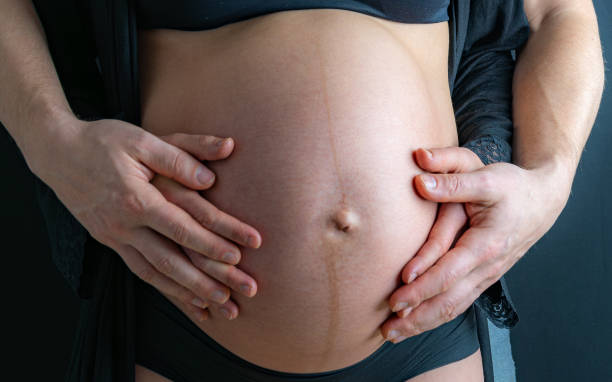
x=325 y=107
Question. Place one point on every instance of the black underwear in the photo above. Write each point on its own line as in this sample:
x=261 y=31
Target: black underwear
x=169 y=343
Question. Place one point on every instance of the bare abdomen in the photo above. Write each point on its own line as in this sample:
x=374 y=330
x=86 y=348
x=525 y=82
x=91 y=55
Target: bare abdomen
x=325 y=112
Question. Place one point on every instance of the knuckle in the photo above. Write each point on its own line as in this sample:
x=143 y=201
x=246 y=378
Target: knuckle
x=165 y=265
x=178 y=162
x=449 y=310
x=435 y=248
x=134 y=203
x=412 y=297
x=491 y=250
x=147 y=274
x=453 y=184
x=139 y=143
x=208 y=217
x=487 y=183
x=448 y=279
x=411 y=327
x=199 y=286
x=179 y=232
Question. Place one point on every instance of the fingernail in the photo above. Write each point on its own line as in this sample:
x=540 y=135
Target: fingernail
x=405 y=312
x=246 y=289
x=392 y=335
x=399 y=306
x=398 y=339
x=230 y=258
x=411 y=278
x=221 y=142
x=204 y=176
x=226 y=313
x=252 y=241
x=199 y=302
x=429 y=181
x=218 y=296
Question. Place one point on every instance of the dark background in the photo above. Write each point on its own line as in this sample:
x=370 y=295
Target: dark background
x=562 y=287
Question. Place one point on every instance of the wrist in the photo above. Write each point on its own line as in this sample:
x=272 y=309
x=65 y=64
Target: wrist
x=556 y=176
x=50 y=129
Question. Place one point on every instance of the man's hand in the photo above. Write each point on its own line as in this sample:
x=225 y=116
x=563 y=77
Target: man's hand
x=508 y=208
x=164 y=231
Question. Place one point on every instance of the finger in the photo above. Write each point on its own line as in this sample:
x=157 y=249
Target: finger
x=167 y=258
x=227 y=274
x=137 y=263
x=451 y=268
x=476 y=187
x=199 y=315
x=173 y=162
x=449 y=222
x=208 y=215
x=448 y=159
x=203 y=147
x=228 y=310
x=177 y=225
x=435 y=311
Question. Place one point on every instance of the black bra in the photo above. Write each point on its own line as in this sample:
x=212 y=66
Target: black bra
x=208 y=14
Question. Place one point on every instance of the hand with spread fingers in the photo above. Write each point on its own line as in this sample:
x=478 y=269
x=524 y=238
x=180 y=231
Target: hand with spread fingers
x=492 y=214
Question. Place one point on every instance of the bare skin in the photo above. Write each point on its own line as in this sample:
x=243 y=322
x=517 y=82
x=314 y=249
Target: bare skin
x=150 y=155
x=558 y=85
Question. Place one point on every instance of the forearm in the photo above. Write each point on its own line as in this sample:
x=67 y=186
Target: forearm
x=32 y=102
x=557 y=89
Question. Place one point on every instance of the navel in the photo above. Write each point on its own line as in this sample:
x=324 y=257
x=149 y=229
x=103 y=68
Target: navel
x=346 y=219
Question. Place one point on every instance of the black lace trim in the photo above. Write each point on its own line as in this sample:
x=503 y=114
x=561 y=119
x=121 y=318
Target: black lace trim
x=490 y=149
x=495 y=300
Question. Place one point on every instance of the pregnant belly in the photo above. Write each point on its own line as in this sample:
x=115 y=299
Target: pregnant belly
x=325 y=112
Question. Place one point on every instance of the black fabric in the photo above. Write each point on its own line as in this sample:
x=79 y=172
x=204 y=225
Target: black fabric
x=450 y=342
x=103 y=349
x=200 y=15
x=72 y=48
x=482 y=326
x=483 y=35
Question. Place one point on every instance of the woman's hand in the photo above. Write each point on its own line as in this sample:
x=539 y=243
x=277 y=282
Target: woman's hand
x=509 y=208
x=203 y=211
x=102 y=174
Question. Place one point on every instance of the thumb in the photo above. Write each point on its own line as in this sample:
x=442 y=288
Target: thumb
x=476 y=187
x=448 y=159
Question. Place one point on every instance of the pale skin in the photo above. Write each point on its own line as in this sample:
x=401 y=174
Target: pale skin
x=553 y=118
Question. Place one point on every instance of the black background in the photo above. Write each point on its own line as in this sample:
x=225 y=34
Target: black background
x=562 y=287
